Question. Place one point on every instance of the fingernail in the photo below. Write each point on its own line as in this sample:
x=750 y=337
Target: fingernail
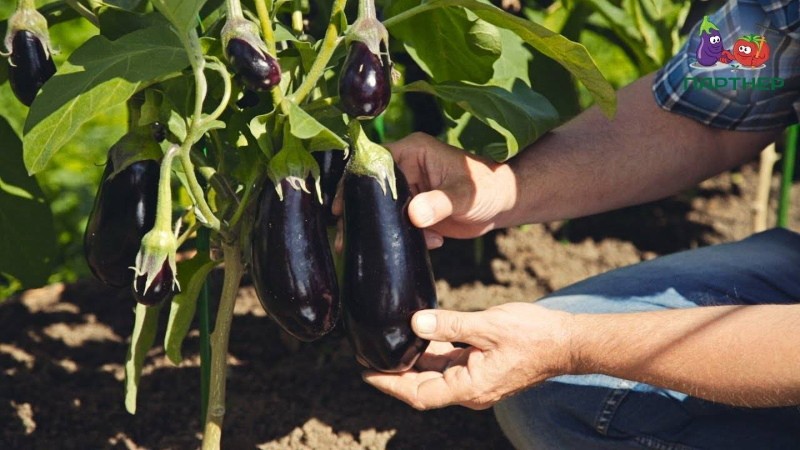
x=425 y=323
x=435 y=241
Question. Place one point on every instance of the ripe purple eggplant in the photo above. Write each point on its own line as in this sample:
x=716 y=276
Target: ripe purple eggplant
x=331 y=168
x=124 y=210
x=161 y=289
x=387 y=274
x=258 y=70
x=292 y=264
x=710 y=49
x=365 y=83
x=29 y=66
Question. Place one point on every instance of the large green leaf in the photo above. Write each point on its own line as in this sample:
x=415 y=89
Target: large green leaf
x=447 y=44
x=306 y=127
x=142 y=338
x=27 y=237
x=519 y=114
x=191 y=275
x=571 y=55
x=183 y=14
x=100 y=74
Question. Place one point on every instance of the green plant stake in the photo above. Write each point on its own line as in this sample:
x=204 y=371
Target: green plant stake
x=789 y=160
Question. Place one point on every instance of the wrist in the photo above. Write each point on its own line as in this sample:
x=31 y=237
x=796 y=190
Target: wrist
x=505 y=194
x=581 y=360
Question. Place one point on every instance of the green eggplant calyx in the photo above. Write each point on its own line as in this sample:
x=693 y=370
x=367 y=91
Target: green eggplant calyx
x=371 y=159
x=27 y=18
x=294 y=164
x=373 y=34
x=137 y=145
x=157 y=246
x=707 y=26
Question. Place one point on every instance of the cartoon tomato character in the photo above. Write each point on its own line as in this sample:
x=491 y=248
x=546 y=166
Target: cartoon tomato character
x=751 y=50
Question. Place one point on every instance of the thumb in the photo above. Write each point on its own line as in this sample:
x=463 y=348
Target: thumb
x=429 y=208
x=453 y=326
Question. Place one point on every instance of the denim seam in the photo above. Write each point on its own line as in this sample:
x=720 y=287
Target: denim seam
x=611 y=403
x=658 y=444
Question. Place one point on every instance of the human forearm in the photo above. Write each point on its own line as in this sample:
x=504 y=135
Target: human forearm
x=740 y=355
x=593 y=164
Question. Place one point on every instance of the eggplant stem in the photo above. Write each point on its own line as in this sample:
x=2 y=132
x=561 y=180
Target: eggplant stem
x=234 y=9
x=329 y=44
x=164 y=205
x=234 y=269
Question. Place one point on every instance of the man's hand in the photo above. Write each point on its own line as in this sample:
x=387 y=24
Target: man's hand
x=512 y=347
x=455 y=194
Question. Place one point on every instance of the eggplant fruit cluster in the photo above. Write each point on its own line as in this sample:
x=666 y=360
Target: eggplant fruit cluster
x=365 y=83
x=292 y=264
x=387 y=274
x=29 y=66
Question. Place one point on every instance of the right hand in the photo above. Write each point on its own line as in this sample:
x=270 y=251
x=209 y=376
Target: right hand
x=456 y=194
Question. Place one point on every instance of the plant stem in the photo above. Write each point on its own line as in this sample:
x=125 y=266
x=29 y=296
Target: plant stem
x=297 y=17
x=84 y=12
x=789 y=159
x=329 y=43
x=366 y=9
x=234 y=9
x=164 y=205
x=191 y=44
x=266 y=26
x=234 y=269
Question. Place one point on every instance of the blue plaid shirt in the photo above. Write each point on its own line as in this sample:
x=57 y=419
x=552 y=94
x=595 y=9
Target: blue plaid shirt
x=731 y=96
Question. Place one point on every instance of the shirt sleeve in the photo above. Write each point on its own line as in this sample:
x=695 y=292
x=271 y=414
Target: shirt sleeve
x=737 y=93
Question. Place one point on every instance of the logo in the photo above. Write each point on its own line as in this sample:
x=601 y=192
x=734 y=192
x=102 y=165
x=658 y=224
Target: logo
x=750 y=52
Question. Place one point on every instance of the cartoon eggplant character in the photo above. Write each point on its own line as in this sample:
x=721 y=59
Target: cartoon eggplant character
x=710 y=48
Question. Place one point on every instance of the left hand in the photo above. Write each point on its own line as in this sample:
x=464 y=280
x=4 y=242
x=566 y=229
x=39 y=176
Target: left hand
x=512 y=346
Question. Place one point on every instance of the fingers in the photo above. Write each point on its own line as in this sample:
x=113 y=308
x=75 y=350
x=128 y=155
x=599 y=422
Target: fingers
x=423 y=390
x=438 y=357
x=453 y=326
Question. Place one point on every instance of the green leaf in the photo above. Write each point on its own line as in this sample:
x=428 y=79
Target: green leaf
x=183 y=14
x=447 y=44
x=27 y=237
x=191 y=276
x=142 y=338
x=571 y=55
x=519 y=114
x=100 y=74
x=304 y=126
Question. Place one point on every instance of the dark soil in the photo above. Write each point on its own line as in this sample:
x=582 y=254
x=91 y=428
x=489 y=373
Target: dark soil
x=62 y=347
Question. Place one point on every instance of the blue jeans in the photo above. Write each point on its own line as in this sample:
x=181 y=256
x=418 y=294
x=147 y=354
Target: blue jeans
x=602 y=412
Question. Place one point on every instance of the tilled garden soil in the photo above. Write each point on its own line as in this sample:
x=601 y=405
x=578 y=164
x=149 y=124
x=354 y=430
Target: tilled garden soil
x=62 y=347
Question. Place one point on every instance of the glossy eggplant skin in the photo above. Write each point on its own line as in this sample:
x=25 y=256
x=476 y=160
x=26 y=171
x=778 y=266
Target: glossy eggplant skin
x=387 y=274
x=29 y=66
x=331 y=168
x=124 y=210
x=292 y=265
x=365 y=83
x=257 y=70
x=161 y=289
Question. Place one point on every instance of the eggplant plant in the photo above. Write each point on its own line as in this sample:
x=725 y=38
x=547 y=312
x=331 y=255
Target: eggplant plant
x=240 y=120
